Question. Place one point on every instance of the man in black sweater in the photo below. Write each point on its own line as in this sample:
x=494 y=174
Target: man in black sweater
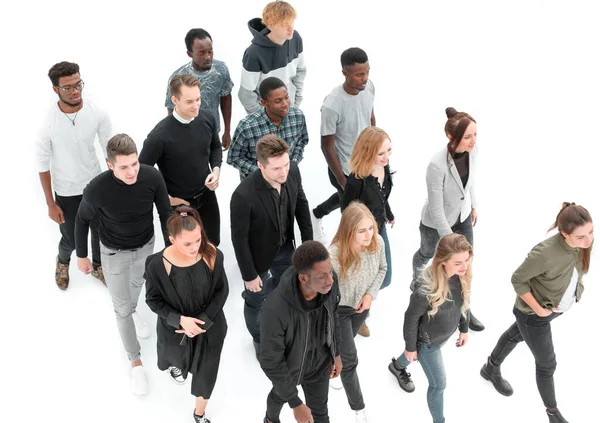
x=124 y=197
x=300 y=333
x=263 y=208
x=186 y=147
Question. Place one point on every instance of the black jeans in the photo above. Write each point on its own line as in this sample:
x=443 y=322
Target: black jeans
x=429 y=240
x=270 y=279
x=207 y=206
x=333 y=202
x=66 y=246
x=537 y=334
x=350 y=322
x=315 y=385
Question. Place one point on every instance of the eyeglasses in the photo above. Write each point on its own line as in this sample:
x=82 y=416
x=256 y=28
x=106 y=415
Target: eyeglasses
x=69 y=90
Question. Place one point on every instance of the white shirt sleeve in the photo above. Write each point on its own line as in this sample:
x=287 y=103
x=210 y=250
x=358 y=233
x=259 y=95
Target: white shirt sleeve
x=43 y=148
x=104 y=130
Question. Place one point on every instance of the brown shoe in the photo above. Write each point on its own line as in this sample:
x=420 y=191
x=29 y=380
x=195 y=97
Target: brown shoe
x=99 y=274
x=364 y=330
x=62 y=275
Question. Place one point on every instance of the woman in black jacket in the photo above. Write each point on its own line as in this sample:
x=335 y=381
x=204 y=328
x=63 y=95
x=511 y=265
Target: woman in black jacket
x=438 y=305
x=186 y=287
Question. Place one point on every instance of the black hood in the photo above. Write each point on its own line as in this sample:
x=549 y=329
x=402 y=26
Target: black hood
x=259 y=32
x=289 y=290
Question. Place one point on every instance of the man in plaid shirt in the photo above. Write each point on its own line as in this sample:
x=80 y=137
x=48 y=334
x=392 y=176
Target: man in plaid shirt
x=276 y=117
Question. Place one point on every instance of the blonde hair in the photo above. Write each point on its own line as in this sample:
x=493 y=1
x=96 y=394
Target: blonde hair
x=345 y=236
x=365 y=151
x=278 y=13
x=434 y=279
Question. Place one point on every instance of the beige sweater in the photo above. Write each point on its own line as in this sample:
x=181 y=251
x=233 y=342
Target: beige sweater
x=365 y=279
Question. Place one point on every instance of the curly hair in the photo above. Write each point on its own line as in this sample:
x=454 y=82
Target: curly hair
x=307 y=254
x=62 y=69
x=278 y=13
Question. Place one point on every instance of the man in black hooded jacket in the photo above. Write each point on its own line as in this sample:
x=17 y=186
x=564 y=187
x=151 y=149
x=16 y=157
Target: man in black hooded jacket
x=300 y=333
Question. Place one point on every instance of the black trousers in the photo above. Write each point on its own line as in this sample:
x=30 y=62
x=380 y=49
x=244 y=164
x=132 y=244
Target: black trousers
x=315 y=385
x=350 y=323
x=66 y=246
x=537 y=334
x=207 y=206
x=333 y=202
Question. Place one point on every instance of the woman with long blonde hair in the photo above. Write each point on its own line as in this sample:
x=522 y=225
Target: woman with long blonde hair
x=358 y=257
x=438 y=305
x=371 y=183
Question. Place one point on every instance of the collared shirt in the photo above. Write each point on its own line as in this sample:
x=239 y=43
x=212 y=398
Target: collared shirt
x=65 y=147
x=180 y=119
x=281 y=202
x=214 y=84
x=242 y=152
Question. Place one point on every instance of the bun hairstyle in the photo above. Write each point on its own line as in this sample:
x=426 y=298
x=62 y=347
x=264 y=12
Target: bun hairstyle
x=187 y=219
x=455 y=128
x=570 y=217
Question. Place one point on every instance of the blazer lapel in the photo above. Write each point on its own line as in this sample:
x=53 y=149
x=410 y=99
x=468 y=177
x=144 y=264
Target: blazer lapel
x=471 y=173
x=455 y=175
x=265 y=197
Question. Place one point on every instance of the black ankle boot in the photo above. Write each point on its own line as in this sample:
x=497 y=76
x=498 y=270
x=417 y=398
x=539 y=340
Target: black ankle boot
x=492 y=373
x=475 y=324
x=555 y=416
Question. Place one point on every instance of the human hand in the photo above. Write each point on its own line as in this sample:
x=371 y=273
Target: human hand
x=410 y=355
x=462 y=339
x=254 y=285
x=543 y=312
x=365 y=303
x=391 y=223
x=226 y=140
x=85 y=265
x=212 y=180
x=336 y=367
x=474 y=216
x=342 y=181
x=56 y=213
x=302 y=414
x=190 y=326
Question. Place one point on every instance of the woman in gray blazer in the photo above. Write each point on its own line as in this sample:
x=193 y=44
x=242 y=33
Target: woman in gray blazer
x=451 y=205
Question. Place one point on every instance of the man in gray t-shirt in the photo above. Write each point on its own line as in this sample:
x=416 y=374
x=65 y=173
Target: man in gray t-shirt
x=346 y=111
x=215 y=82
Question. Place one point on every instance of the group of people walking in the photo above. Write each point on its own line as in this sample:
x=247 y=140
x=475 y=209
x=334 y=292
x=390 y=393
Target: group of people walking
x=304 y=303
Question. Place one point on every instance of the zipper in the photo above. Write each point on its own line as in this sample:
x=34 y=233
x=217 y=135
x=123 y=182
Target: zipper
x=332 y=332
x=305 y=348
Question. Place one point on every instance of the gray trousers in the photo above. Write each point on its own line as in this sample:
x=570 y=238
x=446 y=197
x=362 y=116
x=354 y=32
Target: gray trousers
x=123 y=271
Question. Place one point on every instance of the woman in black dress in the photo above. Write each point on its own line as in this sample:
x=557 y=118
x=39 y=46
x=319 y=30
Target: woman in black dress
x=186 y=287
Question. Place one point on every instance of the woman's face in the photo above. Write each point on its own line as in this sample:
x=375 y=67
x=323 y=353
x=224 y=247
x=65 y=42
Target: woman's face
x=469 y=139
x=457 y=264
x=581 y=237
x=384 y=153
x=187 y=243
x=364 y=232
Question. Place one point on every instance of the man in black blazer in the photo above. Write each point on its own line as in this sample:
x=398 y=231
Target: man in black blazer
x=263 y=208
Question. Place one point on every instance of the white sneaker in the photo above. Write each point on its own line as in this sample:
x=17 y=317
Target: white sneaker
x=336 y=383
x=361 y=416
x=176 y=375
x=317 y=225
x=141 y=328
x=139 y=385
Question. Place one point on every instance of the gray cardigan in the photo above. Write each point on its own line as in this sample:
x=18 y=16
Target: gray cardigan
x=447 y=200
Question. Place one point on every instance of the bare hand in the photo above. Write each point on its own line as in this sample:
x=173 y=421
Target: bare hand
x=410 y=355
x=85 y=265
x=225 y=140
x=342 y=182
x=176 y=201
x=365 y=303
x=190 y=326
x=336 y=367
x=212 y=180
x=254 y=285
x=56 y=213
x=302 y=414
x=474 y=216
x=462 y=339
x=543 y=312
x=391 y=223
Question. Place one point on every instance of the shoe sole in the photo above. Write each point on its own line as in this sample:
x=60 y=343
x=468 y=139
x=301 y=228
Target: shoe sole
x=489 y=379
x=337 y=388
x=398 y=380
x=175 y=381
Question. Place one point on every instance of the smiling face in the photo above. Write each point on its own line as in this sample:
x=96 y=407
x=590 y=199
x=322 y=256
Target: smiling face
x=469 y=139
x=581 y=237
x=277 y=103
x=187 y=103
x=73 y=84
x=384 y=153
x=187 y=243
x=457 y=264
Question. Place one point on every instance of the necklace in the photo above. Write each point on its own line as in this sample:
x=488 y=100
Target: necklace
x=72 y=120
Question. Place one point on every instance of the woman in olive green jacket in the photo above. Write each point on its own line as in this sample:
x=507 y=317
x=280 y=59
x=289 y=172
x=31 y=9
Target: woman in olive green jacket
x=547 y=284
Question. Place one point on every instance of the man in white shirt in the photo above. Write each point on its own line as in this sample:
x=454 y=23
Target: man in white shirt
x=66 y=160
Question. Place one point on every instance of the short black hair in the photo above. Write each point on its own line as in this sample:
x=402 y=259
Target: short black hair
x=307 y=254
x=194 y=33
x=269 y=84
x=62 y=69
x=353 y=55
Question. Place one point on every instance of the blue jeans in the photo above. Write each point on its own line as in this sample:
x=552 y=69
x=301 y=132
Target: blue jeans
x=388 y=258
x=432 y=363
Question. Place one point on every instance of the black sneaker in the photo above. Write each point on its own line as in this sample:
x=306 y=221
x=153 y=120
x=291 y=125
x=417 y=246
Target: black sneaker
x=201 y=419
x=176 y=375
x=402 y=375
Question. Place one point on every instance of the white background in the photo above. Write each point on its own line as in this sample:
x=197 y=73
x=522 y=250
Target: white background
x=526 y=70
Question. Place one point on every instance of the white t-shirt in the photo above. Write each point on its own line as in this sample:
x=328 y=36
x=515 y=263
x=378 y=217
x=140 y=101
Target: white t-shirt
x=345 y=116
x=68 y=151
x=568 y=297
